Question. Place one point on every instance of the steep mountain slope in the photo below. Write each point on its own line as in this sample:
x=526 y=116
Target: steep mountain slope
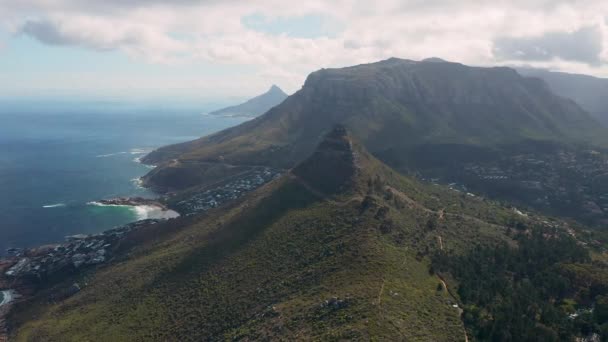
x=336 y=249
x=588 y=91
x=255 y=106
x=399 y=109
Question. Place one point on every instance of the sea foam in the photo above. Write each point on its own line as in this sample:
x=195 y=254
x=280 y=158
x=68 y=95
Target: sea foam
x=110 y=154
x=138 y=182
x=131 y=151
x=137 y=151
x=56 y=205
x=99 y=204
x=138 y=161
x=143 y=212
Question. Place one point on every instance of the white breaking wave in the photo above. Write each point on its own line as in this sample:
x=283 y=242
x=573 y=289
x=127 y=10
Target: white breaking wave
x=138 y=161
x=131 y=151
x=110 y=154
x=137 y=151
x=143 y=212
x=57 y=205
x=99 y=204
x=138 y=183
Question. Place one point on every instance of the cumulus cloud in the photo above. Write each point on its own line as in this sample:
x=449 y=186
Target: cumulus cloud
x=46 y=32
x=583 y=45
x=104 y=34
x=557 y=34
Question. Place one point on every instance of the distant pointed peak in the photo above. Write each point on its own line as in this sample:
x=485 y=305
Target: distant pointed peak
x=275 y=89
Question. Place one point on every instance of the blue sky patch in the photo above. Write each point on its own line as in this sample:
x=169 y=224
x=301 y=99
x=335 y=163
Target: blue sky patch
x=307 y=26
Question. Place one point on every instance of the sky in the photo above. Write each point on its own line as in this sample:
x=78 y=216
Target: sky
x=209 y=49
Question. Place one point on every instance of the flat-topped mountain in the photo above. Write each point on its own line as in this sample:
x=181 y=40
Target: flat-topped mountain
x=399 y=109
x=255 y=106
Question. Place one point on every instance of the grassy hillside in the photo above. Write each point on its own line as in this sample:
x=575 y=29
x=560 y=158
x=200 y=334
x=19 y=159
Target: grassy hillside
x=298 y=259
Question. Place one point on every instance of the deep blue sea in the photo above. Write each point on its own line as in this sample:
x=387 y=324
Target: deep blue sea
x=56 y=158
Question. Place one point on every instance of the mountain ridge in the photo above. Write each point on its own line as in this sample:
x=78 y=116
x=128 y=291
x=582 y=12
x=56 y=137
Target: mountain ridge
x=588 y=91
x=255 y=106
x=394 y=107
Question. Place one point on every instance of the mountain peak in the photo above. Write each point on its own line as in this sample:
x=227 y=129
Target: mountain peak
x=434 y=60
x=275 y=89
x=332 y=166
x=255 y=106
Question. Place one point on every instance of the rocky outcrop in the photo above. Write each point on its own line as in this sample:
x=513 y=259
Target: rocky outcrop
x=132 y=201
x=331 y=167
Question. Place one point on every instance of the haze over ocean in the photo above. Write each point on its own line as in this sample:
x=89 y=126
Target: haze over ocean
x=55 y=158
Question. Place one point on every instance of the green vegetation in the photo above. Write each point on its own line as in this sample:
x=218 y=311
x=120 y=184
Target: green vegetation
x=543 y=289
x=287 y=262
x=342 y=247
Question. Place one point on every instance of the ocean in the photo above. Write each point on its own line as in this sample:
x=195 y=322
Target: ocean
x=56 y=159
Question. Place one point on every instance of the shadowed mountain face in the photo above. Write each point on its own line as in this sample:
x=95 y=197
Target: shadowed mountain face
x=332 y=166
x=402 y=111
x=255 y=106
x=589 y=92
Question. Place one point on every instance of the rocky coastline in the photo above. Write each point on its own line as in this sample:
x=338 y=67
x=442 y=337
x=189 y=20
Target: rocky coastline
x=133 y=202
x=23 y=271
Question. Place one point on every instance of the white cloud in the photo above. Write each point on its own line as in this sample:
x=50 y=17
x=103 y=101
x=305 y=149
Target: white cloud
x=190 y=31
x=583 y=45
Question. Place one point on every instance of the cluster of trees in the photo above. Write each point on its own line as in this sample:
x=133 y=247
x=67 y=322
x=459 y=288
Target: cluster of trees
x=530 y=292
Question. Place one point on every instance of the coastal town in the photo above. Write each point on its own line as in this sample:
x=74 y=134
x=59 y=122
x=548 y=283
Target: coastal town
x=77 y=252
x=212 y=197
x=80 y=251
x=22 y=268
x=564 y=181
